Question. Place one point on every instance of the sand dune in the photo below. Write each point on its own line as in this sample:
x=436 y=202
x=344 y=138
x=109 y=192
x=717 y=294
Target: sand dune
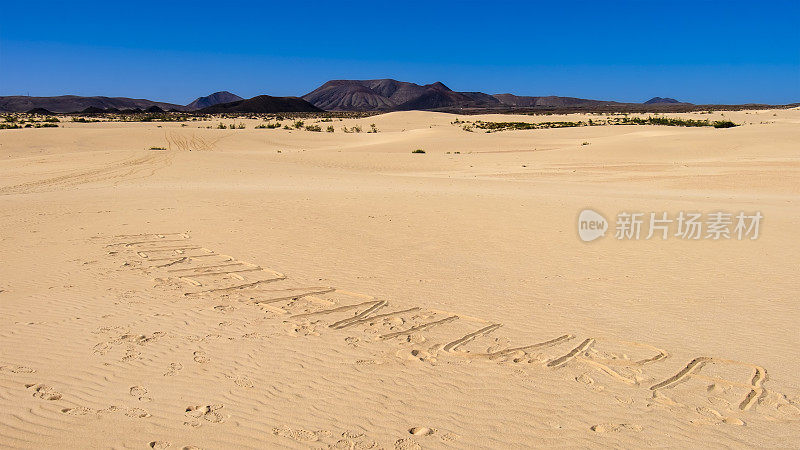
x=272 y=288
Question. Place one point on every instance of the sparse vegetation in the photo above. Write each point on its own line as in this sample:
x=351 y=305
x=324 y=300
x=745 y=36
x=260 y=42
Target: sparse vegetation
x=314 y=128
x=329 y=129
x=625 y=120
x=84 y=120
x=222 y=126
x=419 y=150
x=354 y=129
x=298 y=124
x=372 y=128
x=724 y=124
x=158 y=148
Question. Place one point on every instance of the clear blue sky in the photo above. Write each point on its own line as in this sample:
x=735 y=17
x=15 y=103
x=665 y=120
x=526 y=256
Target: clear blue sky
x=697 y=51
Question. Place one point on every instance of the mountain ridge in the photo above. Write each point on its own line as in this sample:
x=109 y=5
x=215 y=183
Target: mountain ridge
x=214 y=99
x=262 y=104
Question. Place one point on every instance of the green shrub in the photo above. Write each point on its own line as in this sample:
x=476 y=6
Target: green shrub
x=315 y=128
x=329 y=129
x=419 y=150
x=298 y=124
x=724 y=124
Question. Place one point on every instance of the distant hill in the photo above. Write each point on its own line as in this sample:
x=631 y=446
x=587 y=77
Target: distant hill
x=659 y=100
x=393 y=95
x=262 y=104
x=74 y=103
x=214 y=99
x=549 y=101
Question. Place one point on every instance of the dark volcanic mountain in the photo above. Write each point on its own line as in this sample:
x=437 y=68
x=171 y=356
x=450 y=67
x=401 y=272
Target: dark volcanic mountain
x=658 y=100
x=262 y=104
x=214 y=99
x=549 y=101
x=393 y=95
x=74 y=103
x=388 y=95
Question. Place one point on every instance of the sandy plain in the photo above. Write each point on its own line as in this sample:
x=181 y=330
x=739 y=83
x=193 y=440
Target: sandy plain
x=276 y=288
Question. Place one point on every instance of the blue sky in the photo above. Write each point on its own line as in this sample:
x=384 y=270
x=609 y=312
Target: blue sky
x=698 y=51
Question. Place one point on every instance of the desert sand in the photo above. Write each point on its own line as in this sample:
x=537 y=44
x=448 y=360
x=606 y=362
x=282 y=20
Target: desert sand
x=272 y=288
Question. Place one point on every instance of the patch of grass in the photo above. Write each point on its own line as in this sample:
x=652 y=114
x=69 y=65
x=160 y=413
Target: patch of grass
x=372 y=128
x=724 y=124
x=329 y=129
x=503 y=126
x=158 y=148
x=419 y=150
x=314 y=128
x=9 y=126
x=222 y=126
x=298 y=124
x=625 y=120
x=84 y=120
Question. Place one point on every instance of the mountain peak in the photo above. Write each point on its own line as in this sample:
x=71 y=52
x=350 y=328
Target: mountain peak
x=214 y=99
x=438 y=85
x=656 y=100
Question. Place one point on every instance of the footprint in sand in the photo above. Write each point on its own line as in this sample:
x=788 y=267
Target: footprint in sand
x=298 y=434
x=44 y=391
x=137 y=413
x=173 y=369
x=78 y=411
x=161 y=445
x=615 y=427
x=406 y=444
x=207 y=412
x=17 y=369
x=131 y=354
x=140 y=393
x=241 y=381
x=200 y=357
x=421 y=431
